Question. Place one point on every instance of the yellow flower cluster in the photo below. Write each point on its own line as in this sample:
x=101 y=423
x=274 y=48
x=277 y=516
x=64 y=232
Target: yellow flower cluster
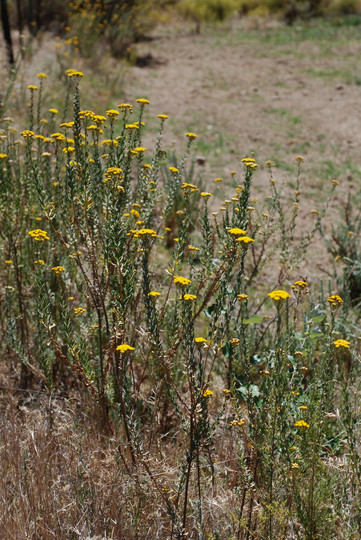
x=58 y=269
x=236 y=231
x=39 y=235
x=145 y=233
x=207 y=393
x=335 y=301
x=124 y=347
x=154 y=294
x=244 y=240
x=112 y=172
x=189 y=187
x=302 y=424
x=342 y=343
x=189 y=297
x=79 y=311
x=180 y=280
x=278 y=295
x=27 y=134
x=242 y=297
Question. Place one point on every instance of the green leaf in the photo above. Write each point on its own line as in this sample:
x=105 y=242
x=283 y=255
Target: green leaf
x=255 y=319
x=318 y=318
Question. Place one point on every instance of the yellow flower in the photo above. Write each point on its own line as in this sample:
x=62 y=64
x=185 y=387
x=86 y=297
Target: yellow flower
x=58 y=269
x=33 y=87
x=236 y=231
x=53 y=111
x=226 y=391
x=191 y=136
x=9 y=262
x=58 y=136
x=300 y=285
x=39 y=261
x=125 y=106
x=181 y=280
x=248 y=160
x=189 y=297
x=302 y=424
x=79 y=311
x=218 y=180
x=234 y=341
x=299 y=159
x=42 y=76
x=173 y=169
x=39 y=235
x=200 y=340
x=154 y=293
x=342 y=343
x=140 y=149
x=245 y=240
x=145 y=233
x=278 y=295
x=125 y=347
x=143 y=101
x=242 y=297
x=112 y=113
x=74 y=73
x=207 y=393
x=303 y=407
x=131 y=126
x=335 y=301
x=27 y=133
x=3 y=156
x=193 y=248
x=163 y=116
x=206 y=195
x=189 y=187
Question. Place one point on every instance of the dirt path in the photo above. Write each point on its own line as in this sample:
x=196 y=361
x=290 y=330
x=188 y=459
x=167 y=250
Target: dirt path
x=279 y=95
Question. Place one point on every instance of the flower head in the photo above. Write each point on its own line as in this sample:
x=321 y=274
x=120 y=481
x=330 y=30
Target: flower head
x=39 y=235
x=27 y=133
x=145 y=233
x=124 y=347
x=154 y=294
x=79 y=311
x=242 y=297
x=191 y=136
x=244 y=240
x=58 y=269
x=236 y=231
x=207 y=393
x=342 y=343
x=42 y=76
x=112 y=113
x=189 y=297
x=180 y=280
x=278 y=295
x=302 y=424
x=200 y=340
x=143 y=101
x=335 y=301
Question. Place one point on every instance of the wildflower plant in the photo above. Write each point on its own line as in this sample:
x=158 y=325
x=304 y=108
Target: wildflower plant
x=148 y=330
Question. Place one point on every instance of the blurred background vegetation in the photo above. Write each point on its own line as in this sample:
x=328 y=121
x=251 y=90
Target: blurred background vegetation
x=118 y=24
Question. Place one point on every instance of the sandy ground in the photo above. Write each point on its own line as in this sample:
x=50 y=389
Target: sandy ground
x=273 y=100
